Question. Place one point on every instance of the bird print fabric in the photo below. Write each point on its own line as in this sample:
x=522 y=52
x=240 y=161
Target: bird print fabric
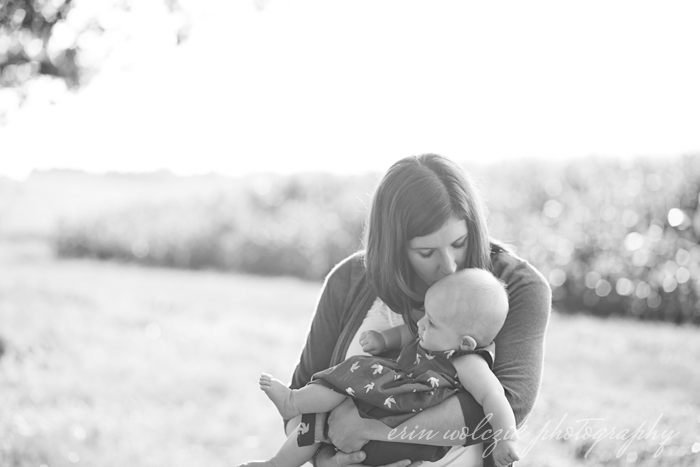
x=393 y=391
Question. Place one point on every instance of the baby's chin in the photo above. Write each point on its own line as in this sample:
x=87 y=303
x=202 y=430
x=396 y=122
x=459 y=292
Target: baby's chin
x=426 y=347
x=430 y=348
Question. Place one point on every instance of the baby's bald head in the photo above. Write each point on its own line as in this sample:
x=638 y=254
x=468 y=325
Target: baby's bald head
x=472 y=301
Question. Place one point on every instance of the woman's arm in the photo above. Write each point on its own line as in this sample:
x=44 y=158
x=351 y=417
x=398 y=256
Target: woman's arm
x=325 y=326
x=349 y=432
x=520 y=342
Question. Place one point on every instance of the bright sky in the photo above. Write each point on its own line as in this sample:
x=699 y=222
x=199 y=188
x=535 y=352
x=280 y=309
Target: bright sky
x=354 y=86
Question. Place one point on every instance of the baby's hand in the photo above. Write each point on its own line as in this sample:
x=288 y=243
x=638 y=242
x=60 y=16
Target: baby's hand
x=504 y=453
x=372 y=342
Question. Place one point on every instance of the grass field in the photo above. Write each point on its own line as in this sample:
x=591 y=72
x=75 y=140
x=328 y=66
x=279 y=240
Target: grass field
x=108 y=364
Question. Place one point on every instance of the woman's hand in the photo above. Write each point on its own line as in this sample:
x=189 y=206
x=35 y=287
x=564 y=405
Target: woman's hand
x=329 y=458
x=346 y=429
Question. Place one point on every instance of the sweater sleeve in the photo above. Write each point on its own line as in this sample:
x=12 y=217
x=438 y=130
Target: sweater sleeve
x=326 y=325
x=519 y=344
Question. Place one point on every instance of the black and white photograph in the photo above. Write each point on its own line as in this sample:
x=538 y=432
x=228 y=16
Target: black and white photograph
x=265 y=233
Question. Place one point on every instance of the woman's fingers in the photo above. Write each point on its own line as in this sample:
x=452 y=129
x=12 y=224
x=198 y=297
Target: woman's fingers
x=403 y=463
x=346 y=428
x=349 y=459
x=354 y=459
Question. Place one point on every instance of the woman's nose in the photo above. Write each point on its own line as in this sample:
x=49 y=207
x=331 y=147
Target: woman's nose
x=448 y=265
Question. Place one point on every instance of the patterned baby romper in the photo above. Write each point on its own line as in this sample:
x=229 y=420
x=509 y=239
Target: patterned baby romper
x=394 y=391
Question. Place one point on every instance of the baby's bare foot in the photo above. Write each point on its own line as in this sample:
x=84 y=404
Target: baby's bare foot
x=279 y=394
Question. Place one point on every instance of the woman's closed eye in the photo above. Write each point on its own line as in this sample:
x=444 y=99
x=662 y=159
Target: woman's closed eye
x=456 y=246
x=461 y=243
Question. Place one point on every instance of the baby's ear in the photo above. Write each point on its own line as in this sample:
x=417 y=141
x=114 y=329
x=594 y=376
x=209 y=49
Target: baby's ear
x=468 y=343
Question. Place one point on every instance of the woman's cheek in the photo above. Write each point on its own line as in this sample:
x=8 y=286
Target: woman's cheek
x=463 y=259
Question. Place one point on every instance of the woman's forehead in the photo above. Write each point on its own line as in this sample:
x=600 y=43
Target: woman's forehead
x=453 y=230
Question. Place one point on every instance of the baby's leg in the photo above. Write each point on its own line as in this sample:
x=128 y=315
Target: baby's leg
x=289 y=455
x=292 y=402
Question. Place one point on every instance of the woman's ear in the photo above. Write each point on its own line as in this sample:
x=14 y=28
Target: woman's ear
x=468 y=343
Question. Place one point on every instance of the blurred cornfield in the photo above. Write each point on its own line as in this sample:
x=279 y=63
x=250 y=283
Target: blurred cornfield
x=612 y=236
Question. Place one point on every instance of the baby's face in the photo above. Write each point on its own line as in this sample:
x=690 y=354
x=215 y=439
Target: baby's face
x=436 y=333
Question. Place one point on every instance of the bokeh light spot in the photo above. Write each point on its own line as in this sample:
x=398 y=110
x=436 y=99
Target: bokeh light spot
x=603 y=288
x=670 y=284
x=624 y=286
x=553 y=187
x=79 y=433
x=682 y=275
x=675 y=217
x=552 y=208
x=682 y=256
x=634 y=241
x=653 y=300
x=592 y=279
x=643 y=290
x=557 y=277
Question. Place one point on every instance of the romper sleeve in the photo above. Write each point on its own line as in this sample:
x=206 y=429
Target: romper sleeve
x=519 y=343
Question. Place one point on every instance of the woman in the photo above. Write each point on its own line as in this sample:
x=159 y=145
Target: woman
x=427 y=220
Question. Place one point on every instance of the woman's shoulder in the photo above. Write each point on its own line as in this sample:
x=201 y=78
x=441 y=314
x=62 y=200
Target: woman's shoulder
x=513 y=270
x=353 y=264
x=348 y=271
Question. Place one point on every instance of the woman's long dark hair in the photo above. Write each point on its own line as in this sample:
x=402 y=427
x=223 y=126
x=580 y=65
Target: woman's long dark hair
x=416 y=197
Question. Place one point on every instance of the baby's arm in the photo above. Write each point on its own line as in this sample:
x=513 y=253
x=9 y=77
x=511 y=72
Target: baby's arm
x=477 y=378
x=376 y=342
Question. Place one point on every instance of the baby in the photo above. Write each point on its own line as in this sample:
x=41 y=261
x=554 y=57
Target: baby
x=463 y=314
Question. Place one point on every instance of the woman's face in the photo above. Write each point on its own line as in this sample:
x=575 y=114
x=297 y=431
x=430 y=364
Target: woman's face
x=438 y=254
